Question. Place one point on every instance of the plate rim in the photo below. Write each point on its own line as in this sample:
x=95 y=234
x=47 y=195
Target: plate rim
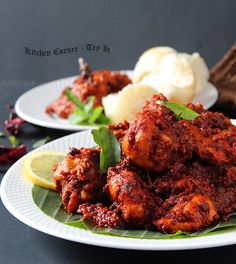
x=70 y=127
x=154 y=244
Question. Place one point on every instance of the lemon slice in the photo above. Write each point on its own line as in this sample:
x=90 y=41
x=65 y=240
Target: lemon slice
x=38 y=167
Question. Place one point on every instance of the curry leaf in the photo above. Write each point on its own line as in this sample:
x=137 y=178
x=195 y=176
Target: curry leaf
x=41 y=142
x=74 y=99
x=110 y=147
x=89 y=106
x=85 y=114
x=96 y=113
x=180 y=110
x=1 y=136
x=103 y=120
x=14 y=141
x=77 y=119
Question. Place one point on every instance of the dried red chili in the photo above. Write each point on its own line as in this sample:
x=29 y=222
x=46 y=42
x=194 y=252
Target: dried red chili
x=12 y=125
x=9 y=155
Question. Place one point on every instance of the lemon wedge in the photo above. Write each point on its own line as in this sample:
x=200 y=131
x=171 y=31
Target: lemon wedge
x=38 y=167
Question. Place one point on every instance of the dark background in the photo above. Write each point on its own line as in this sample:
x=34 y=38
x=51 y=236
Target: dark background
x=128 y=28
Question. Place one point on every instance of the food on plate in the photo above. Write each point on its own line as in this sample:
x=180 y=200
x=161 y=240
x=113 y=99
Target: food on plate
x=196 y=195
x=210 y=136
x=131 y=188
x=222 y=75
x=170 y=168
x=200 y=70
x=179 y=76
x=176 y=79
x=150 y=61
x=37 y=167
x=85 y=114
x=126 y=103
x=90 y=83
x=78 y=178
x=170 y=141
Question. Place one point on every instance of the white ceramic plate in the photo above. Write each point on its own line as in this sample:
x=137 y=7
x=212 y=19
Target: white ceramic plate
x=30 y=106
x=16 y=196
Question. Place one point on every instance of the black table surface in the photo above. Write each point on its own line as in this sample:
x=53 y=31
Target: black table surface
x=24 y=245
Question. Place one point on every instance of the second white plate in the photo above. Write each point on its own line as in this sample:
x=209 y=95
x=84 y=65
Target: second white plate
x=31 y=105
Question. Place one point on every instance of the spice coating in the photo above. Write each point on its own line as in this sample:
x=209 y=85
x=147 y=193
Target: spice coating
x=174 y=174
x=97 y=83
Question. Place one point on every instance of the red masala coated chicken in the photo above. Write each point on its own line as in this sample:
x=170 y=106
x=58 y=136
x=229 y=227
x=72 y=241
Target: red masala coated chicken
x=187 y=213
x=78 y=178
x=97 y=83
x=119 y=130
x=155 y=140
x=211 y=190
x=131 y=188
x=174 y=174
x=215 y=138
x=163 y=139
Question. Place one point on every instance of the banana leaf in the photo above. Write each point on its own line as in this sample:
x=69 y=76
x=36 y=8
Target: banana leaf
x=50 y=203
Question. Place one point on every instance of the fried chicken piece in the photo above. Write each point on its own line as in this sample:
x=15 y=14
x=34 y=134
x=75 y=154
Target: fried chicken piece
x=119 y=130
x=155 y=140
x=225 y=191
x=78 y=178
x=61 y=106
x=214 y=135
x=196 y=107
x=187 y=213
x=132 y=189
x=215 y=138
x=102 y=215
x=218 y=183
x=174 y=174
x=97 y=83
x=186 y=179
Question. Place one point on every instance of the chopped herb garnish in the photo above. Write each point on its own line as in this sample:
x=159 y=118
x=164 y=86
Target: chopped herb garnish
x=110 y=147
x=75 y=100
x=14 y=141
x=41 y=142
x=181 y=111
x=1 y=136
x=95 y=114
x=86 y=114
